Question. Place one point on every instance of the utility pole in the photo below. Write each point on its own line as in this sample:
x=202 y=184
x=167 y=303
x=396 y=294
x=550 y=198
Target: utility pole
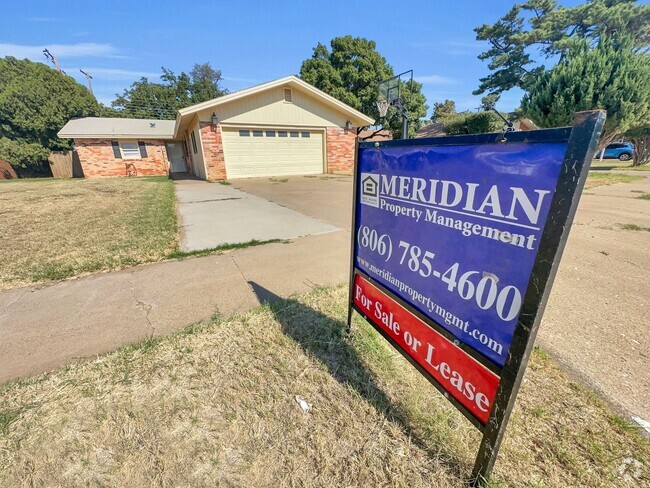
x=52 y=57
x=89 y=79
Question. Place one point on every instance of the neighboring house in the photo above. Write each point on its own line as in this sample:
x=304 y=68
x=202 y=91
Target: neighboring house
x=435 y=129
x=375 y=135
x=283 y=127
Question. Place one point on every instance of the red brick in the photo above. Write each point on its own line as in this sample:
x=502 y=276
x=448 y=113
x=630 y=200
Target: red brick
x=97 y=159
x=340 y=149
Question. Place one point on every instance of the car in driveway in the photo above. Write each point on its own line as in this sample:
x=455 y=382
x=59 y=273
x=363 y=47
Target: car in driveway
x=623 y=151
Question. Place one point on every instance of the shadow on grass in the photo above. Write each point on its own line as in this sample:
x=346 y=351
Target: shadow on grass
x=323 y=337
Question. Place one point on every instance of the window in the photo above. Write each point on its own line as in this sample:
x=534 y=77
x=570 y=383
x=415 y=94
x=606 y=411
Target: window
x=244 y=133
x=282 y=133
x=294 y=133
x=130 y=150
x=193 y=137
x=304 y=134
x=287 y=95
x=270 y=133
x=258 y=133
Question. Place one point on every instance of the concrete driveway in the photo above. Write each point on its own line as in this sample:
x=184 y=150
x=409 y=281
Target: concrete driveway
x=325 y=197
x=212 y=214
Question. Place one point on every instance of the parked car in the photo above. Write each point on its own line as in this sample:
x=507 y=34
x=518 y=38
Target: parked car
x=623 y=151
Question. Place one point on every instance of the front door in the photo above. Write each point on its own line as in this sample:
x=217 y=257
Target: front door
x=176 y=157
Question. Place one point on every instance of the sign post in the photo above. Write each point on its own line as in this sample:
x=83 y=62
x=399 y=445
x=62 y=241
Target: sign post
x=455 y=245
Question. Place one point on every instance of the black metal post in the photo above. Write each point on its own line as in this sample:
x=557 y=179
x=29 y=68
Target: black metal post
x=353 y=234
x=587 y=128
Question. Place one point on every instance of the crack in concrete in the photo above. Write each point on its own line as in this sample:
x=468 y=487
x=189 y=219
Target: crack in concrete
x=241 y=272
x=214 y=200
x=144 y=306
x=13 y=302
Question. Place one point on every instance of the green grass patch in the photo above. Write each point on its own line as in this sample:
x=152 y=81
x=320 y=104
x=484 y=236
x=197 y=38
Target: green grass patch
x=224 y=247
x=616 y=165
x=224 y=182
x=645 y=196
x=634 y=227
x=214 y=404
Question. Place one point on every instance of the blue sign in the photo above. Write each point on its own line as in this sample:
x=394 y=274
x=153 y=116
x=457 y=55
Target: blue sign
x=454 y=230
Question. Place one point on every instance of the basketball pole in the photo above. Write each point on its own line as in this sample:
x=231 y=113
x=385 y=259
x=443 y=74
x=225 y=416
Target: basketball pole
x=405 y=126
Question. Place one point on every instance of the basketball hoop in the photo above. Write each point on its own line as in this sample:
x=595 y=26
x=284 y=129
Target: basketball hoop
x=382 y=107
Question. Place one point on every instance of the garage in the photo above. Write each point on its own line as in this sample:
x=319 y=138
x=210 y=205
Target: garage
x=254 y=152
x=283 y=127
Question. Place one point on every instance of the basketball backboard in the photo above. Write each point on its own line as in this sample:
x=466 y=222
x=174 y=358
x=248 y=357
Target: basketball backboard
x=395 y=92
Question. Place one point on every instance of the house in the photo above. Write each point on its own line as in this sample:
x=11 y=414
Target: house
x=369 y=135
x=434 y=129
x=437 y=129
x=283 y=127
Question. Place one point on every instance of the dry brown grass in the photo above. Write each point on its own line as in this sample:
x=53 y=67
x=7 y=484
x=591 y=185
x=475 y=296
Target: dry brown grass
x=596 y=179
x=54 y=229
x=214 y=406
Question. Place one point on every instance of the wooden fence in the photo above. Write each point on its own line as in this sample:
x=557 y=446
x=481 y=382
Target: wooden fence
x=65 y=164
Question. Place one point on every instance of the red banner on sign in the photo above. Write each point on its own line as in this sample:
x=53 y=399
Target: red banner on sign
x=468 y=381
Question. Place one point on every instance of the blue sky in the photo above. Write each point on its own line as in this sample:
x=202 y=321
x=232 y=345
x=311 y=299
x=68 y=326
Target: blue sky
x=252 y=42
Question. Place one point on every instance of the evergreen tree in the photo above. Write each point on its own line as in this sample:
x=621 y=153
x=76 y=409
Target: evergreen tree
x=35 y=103
x=610 y=76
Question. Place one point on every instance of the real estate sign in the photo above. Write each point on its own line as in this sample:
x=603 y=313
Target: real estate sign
x=455 y=244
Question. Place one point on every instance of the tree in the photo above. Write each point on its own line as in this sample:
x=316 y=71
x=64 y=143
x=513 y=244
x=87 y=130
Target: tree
x=641 y=140
x=610 y=76
x=351 y=71
x=489 y=101
x=35 y=103
x=145 y=99
x=472 y=123
x=444 y=110
x=553 y=30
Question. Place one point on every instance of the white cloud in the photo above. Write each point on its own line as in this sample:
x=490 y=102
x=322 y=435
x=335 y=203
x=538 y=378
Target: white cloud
x=239 y=80
x=115 y=74
x=433 y=80
x=465 y=44
x=83 y=49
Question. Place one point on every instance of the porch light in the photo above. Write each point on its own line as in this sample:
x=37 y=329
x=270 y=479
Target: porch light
x=348 y=125
x=215 y=119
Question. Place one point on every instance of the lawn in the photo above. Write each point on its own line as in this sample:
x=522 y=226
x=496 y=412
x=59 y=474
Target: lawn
x=596 y=179
x=53 y=229
x=615 y=164
x=214 y=405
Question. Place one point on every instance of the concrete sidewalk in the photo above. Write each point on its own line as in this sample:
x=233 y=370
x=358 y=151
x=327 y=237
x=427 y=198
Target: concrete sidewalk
x=43 y=329
x=213 y=214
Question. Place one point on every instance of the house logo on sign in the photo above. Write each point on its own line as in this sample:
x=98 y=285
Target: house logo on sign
x=370 y=189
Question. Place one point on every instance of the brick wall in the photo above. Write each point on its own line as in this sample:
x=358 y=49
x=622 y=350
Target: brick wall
x=213 y=151
x=97 y=159
x=340 y=149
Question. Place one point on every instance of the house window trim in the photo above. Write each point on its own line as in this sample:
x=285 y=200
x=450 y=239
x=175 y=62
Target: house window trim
x=130 y=141
x=195 y=149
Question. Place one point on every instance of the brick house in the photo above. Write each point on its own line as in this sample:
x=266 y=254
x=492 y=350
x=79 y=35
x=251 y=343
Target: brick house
x=283 y=127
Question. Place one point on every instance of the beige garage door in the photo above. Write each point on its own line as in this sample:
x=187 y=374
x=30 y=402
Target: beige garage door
x=272 y=152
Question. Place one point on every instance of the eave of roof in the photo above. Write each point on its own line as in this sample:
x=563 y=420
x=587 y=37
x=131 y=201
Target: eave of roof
x=184 y=113
x=117 y=128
